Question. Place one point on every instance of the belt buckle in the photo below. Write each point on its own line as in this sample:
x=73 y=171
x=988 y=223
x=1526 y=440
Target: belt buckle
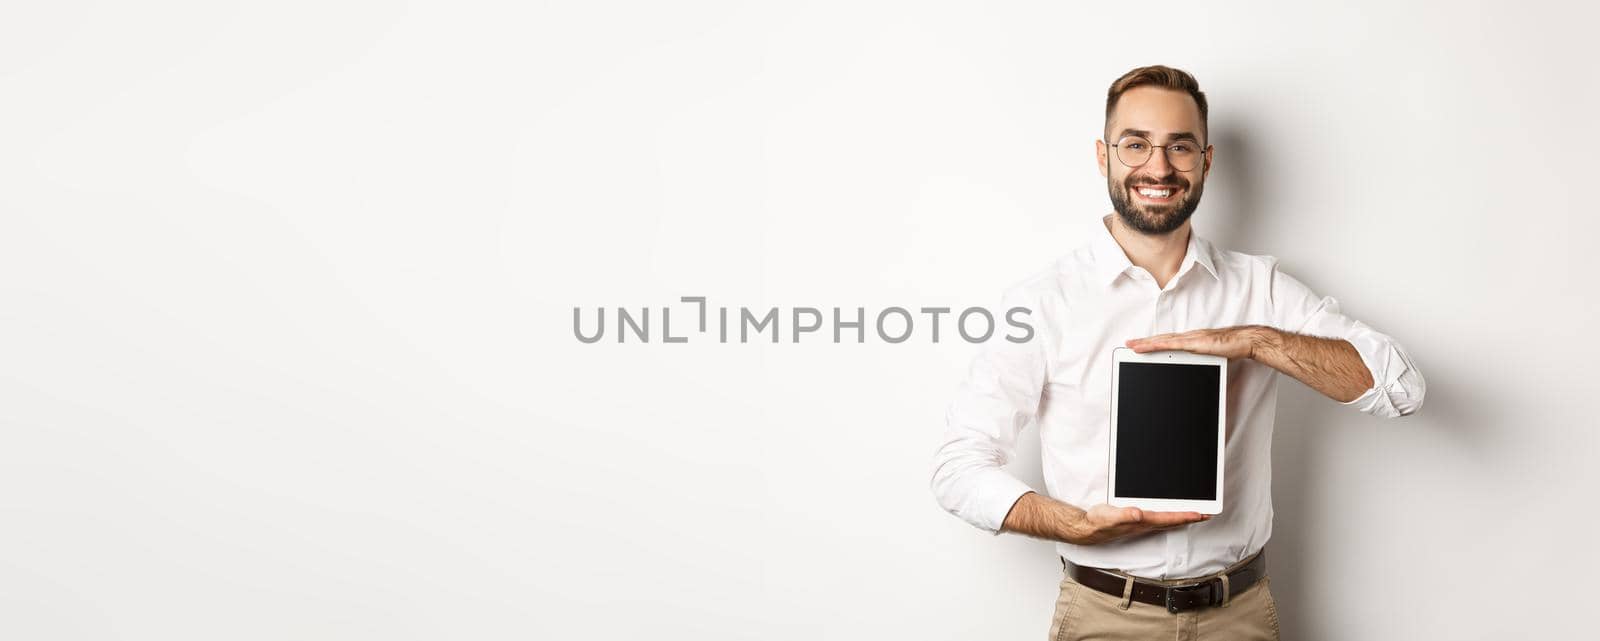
x=1172 y=606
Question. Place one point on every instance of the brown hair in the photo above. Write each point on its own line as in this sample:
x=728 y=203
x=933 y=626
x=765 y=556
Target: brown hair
x=1158 y=76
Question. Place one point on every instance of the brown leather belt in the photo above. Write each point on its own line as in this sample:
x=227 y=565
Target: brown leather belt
x=1176 y=598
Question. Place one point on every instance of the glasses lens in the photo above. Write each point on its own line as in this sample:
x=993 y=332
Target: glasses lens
x=1183 y=155
x=1133 y=151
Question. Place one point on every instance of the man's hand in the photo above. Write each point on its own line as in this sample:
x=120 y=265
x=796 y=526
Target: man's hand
x=1329 y=365
x=1228 y=342
x=1105 y=523
x=1040 y=516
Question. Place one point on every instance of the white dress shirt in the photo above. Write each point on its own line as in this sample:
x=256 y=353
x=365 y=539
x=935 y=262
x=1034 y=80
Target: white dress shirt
x=1088 y=303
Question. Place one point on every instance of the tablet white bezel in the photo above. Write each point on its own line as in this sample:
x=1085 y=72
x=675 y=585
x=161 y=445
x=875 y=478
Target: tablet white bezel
x=1122 y=355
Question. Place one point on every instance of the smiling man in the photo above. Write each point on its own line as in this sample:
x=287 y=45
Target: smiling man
x=1148 y=282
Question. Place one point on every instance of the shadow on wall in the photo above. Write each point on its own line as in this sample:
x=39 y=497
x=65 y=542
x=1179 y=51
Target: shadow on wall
x=1231 y=213
x=1456 y=411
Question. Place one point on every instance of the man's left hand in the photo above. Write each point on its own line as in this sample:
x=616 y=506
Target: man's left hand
x=1228 y=342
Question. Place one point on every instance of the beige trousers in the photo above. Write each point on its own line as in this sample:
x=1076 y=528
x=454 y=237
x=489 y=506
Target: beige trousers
x=1084 y=613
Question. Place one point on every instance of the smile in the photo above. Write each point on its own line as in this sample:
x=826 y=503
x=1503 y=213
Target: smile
x=1156 y=194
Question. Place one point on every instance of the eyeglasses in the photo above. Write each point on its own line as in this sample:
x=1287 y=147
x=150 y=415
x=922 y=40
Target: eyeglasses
x=1135 y=151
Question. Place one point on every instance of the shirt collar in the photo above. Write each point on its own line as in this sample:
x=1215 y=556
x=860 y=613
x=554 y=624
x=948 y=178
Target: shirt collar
x=1110 y=261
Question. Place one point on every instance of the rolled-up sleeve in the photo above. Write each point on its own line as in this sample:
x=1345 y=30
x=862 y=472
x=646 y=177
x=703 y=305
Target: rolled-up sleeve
x=998 y=399
x=1398 y=386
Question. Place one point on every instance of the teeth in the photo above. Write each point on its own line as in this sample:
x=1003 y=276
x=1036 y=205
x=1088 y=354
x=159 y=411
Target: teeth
x=1156 y=193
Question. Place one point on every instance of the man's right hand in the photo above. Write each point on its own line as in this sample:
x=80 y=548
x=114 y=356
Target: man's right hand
x=1040 y=516
x=1103 y=523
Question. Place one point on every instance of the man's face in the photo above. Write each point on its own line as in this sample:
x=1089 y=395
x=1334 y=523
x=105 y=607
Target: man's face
x=1161 y=117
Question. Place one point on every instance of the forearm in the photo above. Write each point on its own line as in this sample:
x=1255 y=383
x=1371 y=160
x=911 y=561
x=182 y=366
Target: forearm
x=1331 y=366
x=1043 y=517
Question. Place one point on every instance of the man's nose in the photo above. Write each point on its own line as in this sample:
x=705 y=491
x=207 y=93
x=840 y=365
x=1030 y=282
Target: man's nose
x=1158 y=166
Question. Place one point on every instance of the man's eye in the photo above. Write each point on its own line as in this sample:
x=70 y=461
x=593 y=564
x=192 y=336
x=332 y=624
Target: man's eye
x=1181 y=149
x=1135 y=146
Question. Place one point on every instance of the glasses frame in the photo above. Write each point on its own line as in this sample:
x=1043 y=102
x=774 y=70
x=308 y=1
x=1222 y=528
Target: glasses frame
x=1165 y=149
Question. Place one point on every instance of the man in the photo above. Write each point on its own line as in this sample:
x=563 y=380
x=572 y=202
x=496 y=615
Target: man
x=1132 y=573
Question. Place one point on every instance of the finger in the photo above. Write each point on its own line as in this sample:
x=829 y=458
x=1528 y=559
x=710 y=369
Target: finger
x=1156 y=346
x=1169 y=519
x=1153 y=343
x=1178 y=340
x=1184 y=522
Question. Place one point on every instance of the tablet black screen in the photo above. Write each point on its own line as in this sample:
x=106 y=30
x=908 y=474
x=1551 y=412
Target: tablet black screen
x=1167 y=431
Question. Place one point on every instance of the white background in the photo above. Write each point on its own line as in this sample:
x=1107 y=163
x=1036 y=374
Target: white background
x=286 y=294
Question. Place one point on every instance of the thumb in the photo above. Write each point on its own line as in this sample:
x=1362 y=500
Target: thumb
x=1132 y=515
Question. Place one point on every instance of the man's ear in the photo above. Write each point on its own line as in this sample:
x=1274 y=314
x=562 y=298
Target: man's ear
x=1207 y=173
x=1100 y=157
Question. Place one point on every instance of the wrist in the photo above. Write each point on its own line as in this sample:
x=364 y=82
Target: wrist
x=1264 y=341
x=1078 y=530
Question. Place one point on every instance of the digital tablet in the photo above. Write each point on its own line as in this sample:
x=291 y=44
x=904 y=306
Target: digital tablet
x=1168 y=430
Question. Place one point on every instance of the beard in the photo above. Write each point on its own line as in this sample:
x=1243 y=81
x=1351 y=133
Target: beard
x=1154 y=219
